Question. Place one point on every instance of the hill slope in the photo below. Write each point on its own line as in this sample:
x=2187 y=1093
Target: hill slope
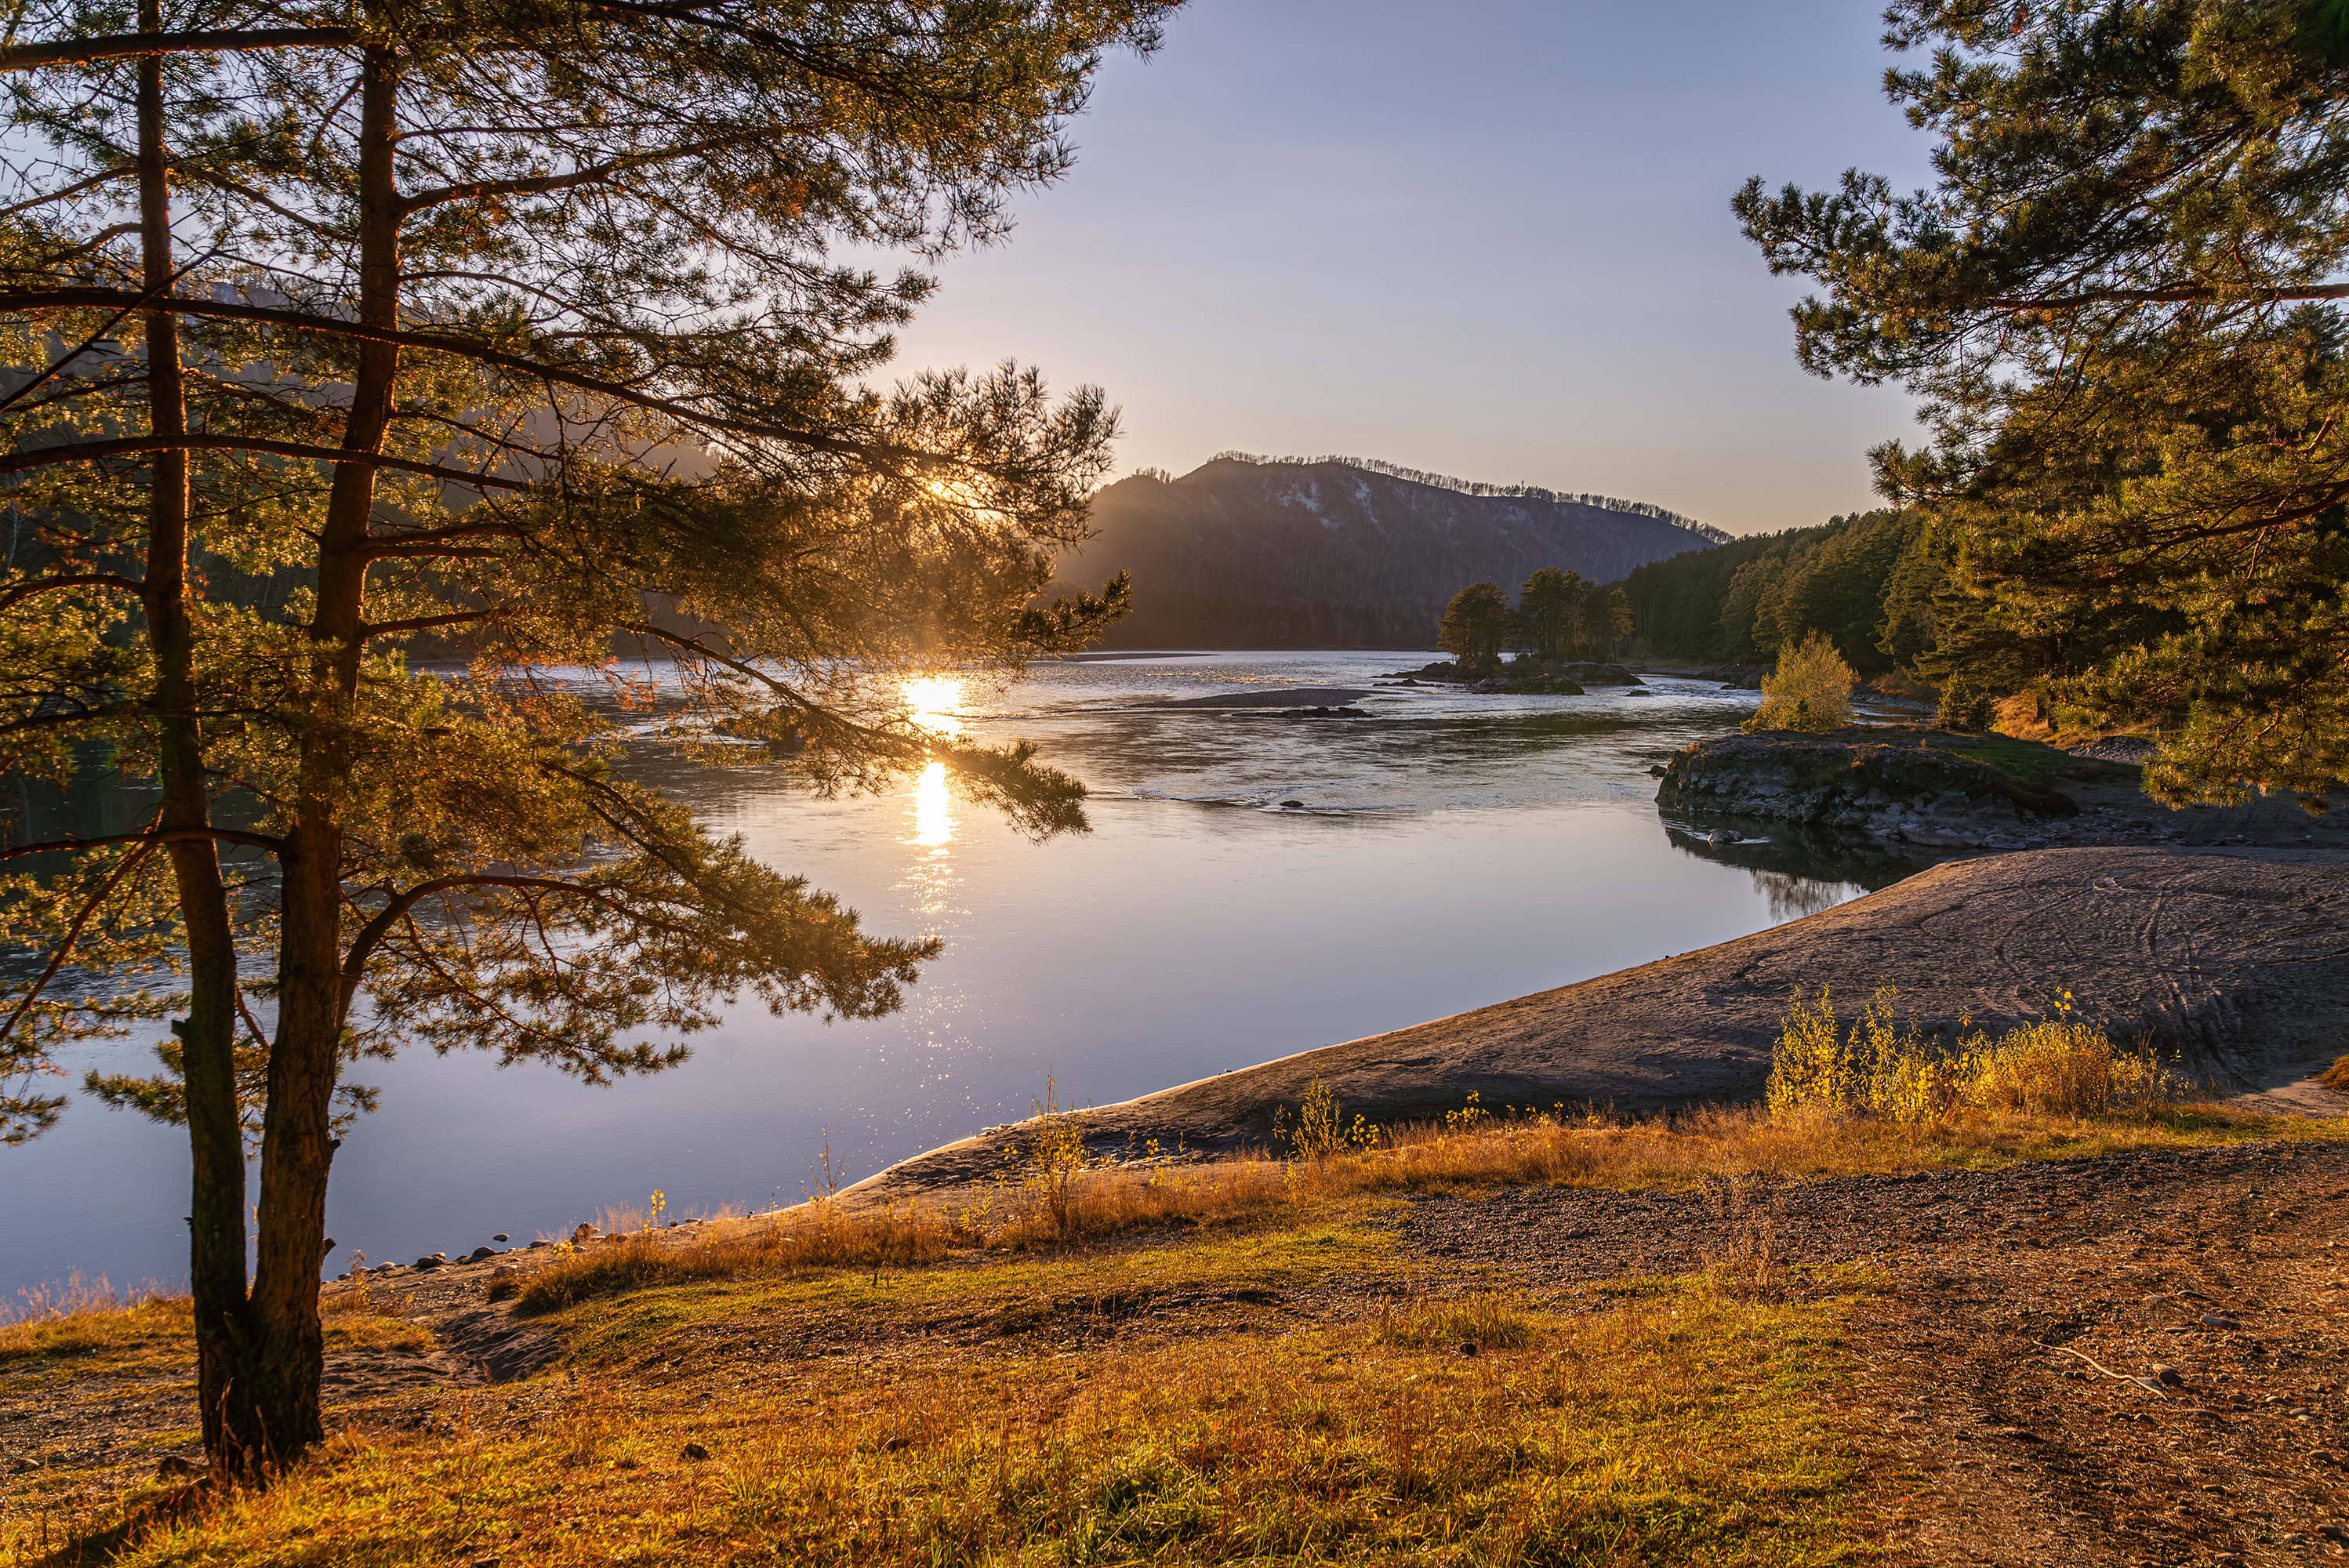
x=1244 y=553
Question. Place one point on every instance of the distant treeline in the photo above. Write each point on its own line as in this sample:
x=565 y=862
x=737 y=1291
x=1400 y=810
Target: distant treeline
x=1476 y=487
x=1879 y=584
x=1864 y=580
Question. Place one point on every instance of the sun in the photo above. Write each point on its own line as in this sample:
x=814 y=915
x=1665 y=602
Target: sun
x=934 y=701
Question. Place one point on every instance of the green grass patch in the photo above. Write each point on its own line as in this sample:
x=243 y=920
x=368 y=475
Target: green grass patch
x=1671 y=1426
x=1014 y=1296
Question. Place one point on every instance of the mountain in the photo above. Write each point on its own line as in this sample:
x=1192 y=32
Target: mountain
x=1248 y=552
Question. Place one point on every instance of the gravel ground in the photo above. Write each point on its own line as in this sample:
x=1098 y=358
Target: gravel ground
x=2001 y=1365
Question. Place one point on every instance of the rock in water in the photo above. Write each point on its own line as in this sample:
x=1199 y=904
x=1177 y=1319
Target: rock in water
x=1907 y=786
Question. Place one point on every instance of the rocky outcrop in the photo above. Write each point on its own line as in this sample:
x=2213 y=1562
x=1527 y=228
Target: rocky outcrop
x=1915 y=787
x=2237 y=961
x=1600 y=675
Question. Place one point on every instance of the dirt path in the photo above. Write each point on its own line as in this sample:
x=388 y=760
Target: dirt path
x=70 y=1439
x=2011 y=1296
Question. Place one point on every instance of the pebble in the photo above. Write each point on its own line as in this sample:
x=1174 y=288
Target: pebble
x=477 y=1253
x=502 y=1236
x=2212 y=1320
x=694 y=1451
x=432 y=1261
x=2169 y=1375
x=536 y=1246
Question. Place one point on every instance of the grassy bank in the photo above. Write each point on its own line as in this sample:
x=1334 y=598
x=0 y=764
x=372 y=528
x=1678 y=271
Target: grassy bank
x=1221 y=1363
x=1045 y=1205
x=1127 y=1406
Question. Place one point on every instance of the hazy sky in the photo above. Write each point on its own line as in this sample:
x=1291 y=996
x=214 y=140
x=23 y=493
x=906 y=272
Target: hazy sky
x=1488 y=238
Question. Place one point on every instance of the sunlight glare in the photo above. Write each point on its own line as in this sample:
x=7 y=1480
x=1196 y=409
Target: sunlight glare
x=934 y=822
x=935 y=700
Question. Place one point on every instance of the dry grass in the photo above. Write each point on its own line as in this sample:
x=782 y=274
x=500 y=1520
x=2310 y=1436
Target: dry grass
x=1663 y=1424
x=1071 y=1204
x=1742 y=1149
x=1747 y=1264
x=84 y=1318
x=1484 y=1321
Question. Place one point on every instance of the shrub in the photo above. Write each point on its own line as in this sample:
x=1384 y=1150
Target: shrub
x=1810 y=690
x=2059 y=1068
x=1964 y=706
x=1322 y=1130
x=2056 y=1067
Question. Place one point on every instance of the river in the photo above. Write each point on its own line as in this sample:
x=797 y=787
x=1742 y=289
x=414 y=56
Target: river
x=1453 y=850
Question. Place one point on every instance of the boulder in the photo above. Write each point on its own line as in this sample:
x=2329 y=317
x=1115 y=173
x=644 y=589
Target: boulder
x=1599 y=675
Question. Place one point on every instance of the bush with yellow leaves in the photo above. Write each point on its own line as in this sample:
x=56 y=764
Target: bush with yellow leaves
x=1811 y=690
x=2055 y=1067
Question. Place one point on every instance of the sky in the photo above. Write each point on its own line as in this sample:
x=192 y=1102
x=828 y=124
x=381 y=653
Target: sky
x=1485 y=238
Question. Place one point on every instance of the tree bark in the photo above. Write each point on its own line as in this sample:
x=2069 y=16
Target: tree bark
x=296 y=1145
x=208 y=1035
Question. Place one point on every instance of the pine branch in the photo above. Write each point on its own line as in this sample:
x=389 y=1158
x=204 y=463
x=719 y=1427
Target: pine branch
x=124 y=45
x=91 y=452
x=146 y=836
x=87 y=298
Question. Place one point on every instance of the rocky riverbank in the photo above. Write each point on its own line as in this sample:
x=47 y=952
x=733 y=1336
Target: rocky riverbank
x=2238 y=960
x=1901 y=789
x=1521 y=678
x=1908 y=786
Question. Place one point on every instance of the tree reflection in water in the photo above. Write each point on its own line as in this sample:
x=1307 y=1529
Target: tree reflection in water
x=1792 y=897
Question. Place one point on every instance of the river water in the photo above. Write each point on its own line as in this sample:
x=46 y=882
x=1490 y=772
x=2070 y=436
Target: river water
x=1451 y=851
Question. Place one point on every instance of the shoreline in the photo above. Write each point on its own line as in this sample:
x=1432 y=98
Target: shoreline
x=2234 y=958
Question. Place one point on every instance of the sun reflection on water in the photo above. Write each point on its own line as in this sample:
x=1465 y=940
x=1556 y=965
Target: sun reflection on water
x=934 y=702
x=934 y=822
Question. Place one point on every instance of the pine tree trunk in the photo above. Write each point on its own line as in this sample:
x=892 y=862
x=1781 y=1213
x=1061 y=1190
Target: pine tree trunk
x=297 y=1144
x=208 y=1034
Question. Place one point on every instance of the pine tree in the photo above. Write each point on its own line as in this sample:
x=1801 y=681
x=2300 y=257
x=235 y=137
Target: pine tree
x=1551 y=608
x=2116 y=303
x=515 y=325
x=1476 y=625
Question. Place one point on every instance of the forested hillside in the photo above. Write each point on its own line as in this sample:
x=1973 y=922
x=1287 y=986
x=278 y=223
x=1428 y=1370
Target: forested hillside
x=1864 y=580
x=1245 y=551
x=1879 y=584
